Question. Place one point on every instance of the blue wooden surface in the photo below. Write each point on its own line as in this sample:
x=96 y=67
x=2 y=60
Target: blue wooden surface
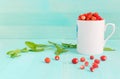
x=31 y=65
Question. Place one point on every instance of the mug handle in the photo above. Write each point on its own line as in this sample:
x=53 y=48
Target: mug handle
x=113 y=30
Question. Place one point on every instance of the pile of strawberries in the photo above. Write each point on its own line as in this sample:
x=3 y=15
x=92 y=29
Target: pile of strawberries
x=94 y=65
x=90 y=16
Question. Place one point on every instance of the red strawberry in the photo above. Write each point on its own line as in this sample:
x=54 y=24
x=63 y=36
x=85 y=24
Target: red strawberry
x=99 y=18
x=91 y=57
x=92 y=69
x=89 y=15
x=85 y=15
x=82 y=17
x=95 y=65
x=82 y=67
x=93 y=18
x=47 y=60
x=74 y=60
x=97 y=61
x=82 y=59
x=86 y=63
x=57 y=57
x=87 y=18
x=95 y=14
x=103 y=58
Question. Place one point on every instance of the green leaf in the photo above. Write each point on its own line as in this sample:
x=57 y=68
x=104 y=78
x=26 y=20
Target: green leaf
x=108 y=49
x=41 y=45
x=24 y=50
x=69 y=45
x=37 y=50
x=59 y=49
x=35 y=47
x=31 y=45
x=10 y=52
x=14 y=53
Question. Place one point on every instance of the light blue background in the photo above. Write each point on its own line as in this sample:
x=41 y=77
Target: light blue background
x=55 y=13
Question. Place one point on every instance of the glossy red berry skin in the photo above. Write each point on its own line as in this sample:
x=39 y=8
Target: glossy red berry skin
x=85 y=15
x=82 y=17
x=95 y=14
x=86 y=63
x=95 y=65
x=89 y=15
x=92 y=69
x=97 y=61
x=93 y=18
x=82 y=67
x=99 y=18
x=57 y=57
x=91 y=57
x=82 y=59
x=75 y=60
x=103 y=58
x=47 y=60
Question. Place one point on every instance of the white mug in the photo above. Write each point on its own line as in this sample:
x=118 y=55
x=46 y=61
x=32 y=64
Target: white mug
x=91 y=36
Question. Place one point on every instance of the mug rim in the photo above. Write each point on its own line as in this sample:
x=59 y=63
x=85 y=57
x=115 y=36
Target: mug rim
x=90 y=20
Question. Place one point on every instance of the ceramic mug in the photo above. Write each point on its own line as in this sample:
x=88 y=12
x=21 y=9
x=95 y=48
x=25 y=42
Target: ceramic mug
x=91 y=36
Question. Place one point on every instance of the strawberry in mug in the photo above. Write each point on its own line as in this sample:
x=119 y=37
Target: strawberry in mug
x=90 y=16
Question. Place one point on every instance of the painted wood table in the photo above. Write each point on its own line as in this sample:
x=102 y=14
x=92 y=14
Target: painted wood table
x=31 y=65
